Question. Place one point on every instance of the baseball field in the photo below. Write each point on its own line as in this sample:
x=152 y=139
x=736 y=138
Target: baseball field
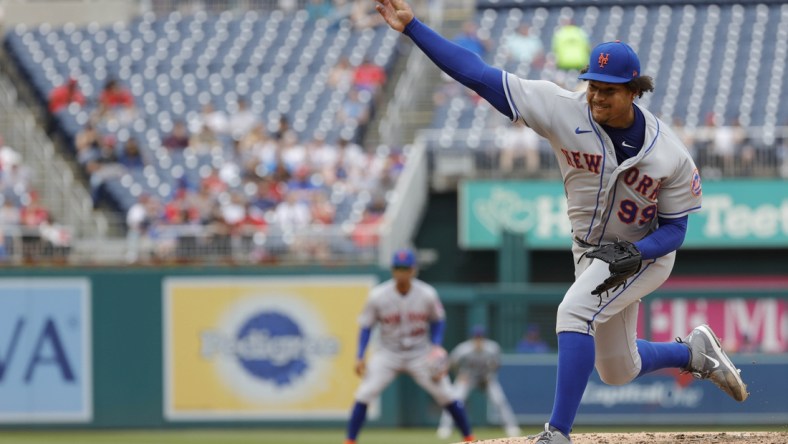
x=623 y=435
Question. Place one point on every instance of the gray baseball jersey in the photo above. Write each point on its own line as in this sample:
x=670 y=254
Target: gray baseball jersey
x=607 y=201
x=478 y=367
x=476 y=363
x=404 y=334
x=404 y=321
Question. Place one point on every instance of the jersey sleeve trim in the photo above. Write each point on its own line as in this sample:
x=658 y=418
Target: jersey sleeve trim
x=507 y=90
x=656 y=136
x=680 y=213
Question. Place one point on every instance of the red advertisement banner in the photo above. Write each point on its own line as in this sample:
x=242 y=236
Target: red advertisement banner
x=743 y=325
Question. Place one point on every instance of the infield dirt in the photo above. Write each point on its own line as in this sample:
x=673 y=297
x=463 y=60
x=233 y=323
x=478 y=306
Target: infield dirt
x=662 y=438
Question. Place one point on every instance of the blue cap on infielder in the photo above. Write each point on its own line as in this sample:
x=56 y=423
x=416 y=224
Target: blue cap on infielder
x=612 y=62
x=404 y=258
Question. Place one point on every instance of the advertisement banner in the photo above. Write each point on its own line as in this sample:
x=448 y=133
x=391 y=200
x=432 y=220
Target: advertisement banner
x=736 y=213
x=263 y=348
x=663 y=397
x=45 y=351
x=745 y=325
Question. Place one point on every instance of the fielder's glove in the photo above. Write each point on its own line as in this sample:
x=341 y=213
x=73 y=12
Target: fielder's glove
x=438 y=363
x=624 y=259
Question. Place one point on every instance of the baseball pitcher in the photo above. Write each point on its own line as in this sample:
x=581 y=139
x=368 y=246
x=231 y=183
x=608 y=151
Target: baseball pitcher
x=630 y=185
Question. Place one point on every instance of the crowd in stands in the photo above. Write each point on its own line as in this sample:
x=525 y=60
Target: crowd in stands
x=720 y=146
x=265 y=185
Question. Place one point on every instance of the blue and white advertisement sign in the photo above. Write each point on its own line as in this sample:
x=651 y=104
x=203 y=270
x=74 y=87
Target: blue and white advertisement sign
x=662 y=397
x=45 y=351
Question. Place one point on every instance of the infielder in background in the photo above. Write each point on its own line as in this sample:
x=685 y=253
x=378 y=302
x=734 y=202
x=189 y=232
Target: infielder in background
x=630 y=184
x=411 y=320
x=476 y=362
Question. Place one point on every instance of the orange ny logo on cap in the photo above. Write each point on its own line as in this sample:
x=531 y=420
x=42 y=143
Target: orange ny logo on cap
x=603 y=59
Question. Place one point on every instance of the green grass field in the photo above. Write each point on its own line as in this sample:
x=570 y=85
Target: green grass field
x=282 y=436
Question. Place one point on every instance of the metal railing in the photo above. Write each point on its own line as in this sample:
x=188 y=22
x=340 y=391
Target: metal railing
x=759 y=152
x=60 y=193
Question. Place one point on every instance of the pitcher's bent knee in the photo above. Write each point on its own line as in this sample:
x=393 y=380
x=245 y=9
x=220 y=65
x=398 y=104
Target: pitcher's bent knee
x=616 y=374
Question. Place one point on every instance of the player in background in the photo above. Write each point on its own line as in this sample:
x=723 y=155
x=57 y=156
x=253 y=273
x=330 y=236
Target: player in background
x=630 y=184
x=411 y=320
x=476 y=361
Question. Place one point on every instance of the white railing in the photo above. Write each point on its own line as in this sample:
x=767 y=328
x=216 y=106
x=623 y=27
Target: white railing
x=763 y=152
x=406 y=206
x=54 y=180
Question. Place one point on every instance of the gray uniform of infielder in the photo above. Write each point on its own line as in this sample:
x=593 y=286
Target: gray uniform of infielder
x=404 y=337
x=477 y=361
x=607 y=201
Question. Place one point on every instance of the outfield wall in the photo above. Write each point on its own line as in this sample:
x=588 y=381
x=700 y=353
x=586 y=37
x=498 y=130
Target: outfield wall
x=215 y=347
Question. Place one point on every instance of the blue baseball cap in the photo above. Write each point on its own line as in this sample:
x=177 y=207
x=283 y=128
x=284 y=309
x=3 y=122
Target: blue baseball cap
x=478 y=331
x=612 y=62
x=404 y=258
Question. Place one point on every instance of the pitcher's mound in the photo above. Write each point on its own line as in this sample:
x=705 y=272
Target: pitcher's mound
x=663 y=438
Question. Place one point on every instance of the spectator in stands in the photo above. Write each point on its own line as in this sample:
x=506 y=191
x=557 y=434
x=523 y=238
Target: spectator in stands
x=140 y=220
x=319 y=9
x=283 y=129
x=524 y=48
x=14 y=174
x=571 y=46
x=532 y=341
x=369 y=76
x=292 y=213
x=242 y=120
x=116 y=103
x=178 y=138
x=353 y=110
x=234 y=209
x=687 y=137
x=55 y=239
x=341 y=73
x=10 y=215
x=471 y=39
x=363 y=14
x=726 y=143
x=86 y=143
x=518 y=143
x=267 y=196
x=301 y=180
x=292 y=153
x=323 y=211
x=64 y=95
x=204 y=141
x=33 y=213
x=781 y=152
x=256 y=152
x=103 y=166
x=365 y=234
x=212 y=118
x=131 y=157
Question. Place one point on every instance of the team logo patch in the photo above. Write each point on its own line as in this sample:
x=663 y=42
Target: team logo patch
x=603 y=58
x=695 y=186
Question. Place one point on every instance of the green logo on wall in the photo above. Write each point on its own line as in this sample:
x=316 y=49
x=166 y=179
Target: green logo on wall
x=736 y=213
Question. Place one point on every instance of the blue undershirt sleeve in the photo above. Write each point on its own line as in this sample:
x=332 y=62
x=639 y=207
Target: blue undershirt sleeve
x=668 y=237
x=363 y=340
x=436 y=331
x=461 y=64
